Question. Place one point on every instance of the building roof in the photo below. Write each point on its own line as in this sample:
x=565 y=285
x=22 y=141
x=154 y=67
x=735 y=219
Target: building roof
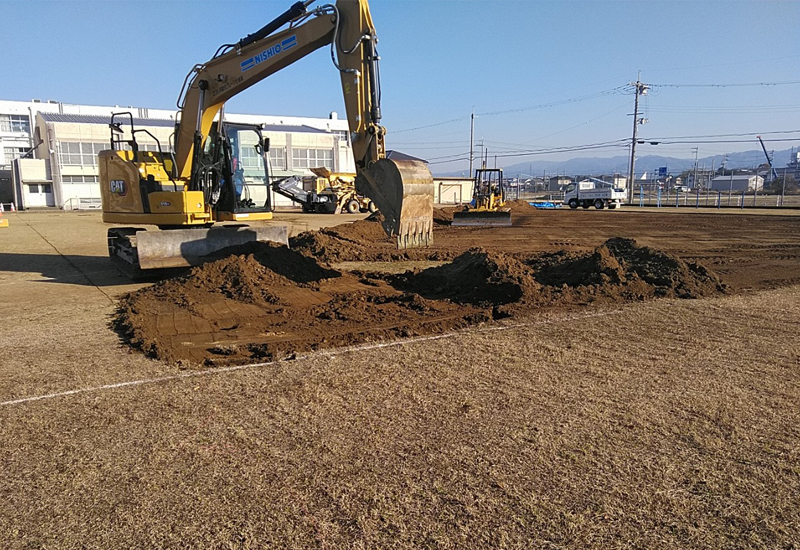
x=737 y=177
x=397 y=155
x=105 y=120
x=166 y=123
x=293 y=129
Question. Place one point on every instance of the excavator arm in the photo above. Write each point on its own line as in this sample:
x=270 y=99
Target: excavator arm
x=402 y=190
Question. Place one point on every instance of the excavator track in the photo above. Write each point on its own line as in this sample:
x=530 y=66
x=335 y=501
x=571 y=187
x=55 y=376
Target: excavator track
x=141 y=255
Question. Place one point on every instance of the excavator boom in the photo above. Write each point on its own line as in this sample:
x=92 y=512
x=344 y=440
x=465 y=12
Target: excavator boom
x=402 y=190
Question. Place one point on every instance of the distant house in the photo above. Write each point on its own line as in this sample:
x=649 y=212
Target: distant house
x=557 y=183
x=738 y=182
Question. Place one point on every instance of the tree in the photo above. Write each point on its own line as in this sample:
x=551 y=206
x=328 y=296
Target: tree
x=792 y=187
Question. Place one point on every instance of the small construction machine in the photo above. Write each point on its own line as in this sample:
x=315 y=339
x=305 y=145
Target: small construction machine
x=217 y=171
x=488 y=199
x=325 y=193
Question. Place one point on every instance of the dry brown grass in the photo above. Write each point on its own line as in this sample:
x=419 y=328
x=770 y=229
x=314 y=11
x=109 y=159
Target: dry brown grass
x=670 y=424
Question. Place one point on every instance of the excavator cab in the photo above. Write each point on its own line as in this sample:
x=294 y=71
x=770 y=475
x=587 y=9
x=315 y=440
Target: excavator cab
x=234 y=172
x=139 y=185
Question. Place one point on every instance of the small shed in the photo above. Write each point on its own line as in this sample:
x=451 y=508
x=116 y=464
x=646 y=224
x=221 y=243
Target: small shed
x=740 y=182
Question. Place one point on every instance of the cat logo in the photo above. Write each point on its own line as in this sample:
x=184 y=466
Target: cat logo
x=118 y=187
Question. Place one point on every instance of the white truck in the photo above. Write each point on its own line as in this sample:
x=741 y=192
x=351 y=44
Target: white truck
x=590 y=193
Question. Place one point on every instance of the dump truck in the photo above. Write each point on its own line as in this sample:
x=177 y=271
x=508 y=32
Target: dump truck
x=187 y=192
x=593 y=193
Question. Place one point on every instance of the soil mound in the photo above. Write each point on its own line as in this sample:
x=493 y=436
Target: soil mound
x=443 y=216
x=368 y=230
x=364 y=240
x=264 y=301
x=273 y=257
x=478 y=276
x=620 y=264
x=348 y=242
x=519 y=206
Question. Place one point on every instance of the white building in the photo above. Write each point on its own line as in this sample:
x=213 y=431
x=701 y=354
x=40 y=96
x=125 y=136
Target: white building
x=60 y=142
x=738 y=182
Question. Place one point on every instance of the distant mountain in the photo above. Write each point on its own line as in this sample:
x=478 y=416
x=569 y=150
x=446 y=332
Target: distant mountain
x=596 y=166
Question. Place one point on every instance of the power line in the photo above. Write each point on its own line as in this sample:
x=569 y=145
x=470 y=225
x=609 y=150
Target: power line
x=736 y=85
x=728 y=135
x=618 y=89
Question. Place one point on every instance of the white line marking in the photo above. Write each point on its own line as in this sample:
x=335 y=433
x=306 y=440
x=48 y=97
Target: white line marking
x=323 y=353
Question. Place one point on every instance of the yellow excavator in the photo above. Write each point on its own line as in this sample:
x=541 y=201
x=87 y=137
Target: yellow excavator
x=217 y=171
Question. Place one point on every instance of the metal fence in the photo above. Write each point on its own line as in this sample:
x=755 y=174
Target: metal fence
x=654 y=196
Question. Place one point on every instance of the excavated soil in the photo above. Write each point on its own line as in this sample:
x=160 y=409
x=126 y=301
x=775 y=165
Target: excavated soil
x=263 y=302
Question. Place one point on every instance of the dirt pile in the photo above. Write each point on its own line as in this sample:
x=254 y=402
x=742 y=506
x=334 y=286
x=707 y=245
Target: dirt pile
x=443 y=216
x=347 y=242
x=363 y=240
x=520 y=206
x=621 y=267
x=477 y=276
x=265 y=301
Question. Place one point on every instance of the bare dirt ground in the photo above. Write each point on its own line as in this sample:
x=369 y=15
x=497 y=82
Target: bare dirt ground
x=667 y=423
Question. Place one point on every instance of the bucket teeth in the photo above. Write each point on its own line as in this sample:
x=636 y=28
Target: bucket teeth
x=414 y=239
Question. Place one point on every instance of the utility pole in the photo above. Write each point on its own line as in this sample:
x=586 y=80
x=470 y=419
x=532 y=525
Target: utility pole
x=639 y=89
x=694 y=180
x=471 y=140
x=783 y=187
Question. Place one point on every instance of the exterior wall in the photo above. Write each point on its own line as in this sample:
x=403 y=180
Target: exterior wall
x=10 y=139
x=452 y=190
x=33 y=184
x=75 y=182
x=745 y=183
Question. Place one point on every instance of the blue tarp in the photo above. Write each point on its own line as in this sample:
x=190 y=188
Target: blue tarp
x=549 y=205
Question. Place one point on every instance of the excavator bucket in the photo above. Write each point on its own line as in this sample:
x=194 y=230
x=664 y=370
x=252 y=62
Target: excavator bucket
x=482 y=218
x=403 y=192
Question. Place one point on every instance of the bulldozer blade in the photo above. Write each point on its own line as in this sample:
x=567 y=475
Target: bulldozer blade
x=187 y=247
x=487 y=218
x=403 y=192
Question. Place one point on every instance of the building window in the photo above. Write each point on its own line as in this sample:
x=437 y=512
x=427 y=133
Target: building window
x=277 y=158
x=312 y=158
x=154 y=147
x=79 y=179
x=125 y=146
x=250 y=158
x=39 y=188
x=79 y=153
x=15 y=123
x=11 y=153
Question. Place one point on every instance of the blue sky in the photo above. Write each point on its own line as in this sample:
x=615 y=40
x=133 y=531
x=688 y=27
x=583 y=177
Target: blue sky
x=538 y=74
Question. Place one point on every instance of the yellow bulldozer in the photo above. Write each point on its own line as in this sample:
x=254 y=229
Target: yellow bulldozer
x=487 y=207
x=187 y=192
